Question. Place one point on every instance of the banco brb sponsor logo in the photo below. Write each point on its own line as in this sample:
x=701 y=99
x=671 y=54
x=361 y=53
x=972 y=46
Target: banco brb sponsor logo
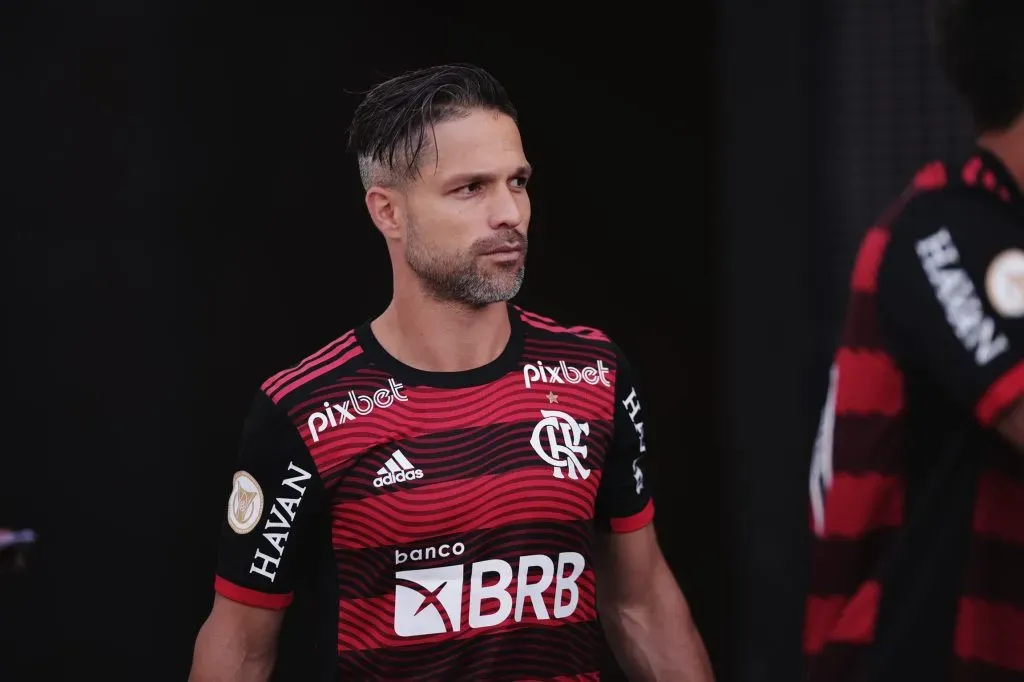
x=429 y=601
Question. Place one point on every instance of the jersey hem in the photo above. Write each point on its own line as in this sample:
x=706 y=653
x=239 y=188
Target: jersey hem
x=1003 y=392
x=628 y=524
x=250 y=597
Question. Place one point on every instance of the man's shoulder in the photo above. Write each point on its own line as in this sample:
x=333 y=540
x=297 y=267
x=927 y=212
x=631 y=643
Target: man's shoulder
x=972 y=189
x=544 y=327
x=343 y=355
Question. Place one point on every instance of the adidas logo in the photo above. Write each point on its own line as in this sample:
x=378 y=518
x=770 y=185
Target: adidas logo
x=397 y=469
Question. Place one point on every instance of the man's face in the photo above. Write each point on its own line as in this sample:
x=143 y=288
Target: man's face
x=468 y=212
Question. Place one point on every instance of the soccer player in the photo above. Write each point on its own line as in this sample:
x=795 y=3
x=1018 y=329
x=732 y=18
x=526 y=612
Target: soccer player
x=917 y=483
x=474 y=472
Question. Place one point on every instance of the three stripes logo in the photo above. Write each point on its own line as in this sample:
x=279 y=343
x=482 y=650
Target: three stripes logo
x=397 y=469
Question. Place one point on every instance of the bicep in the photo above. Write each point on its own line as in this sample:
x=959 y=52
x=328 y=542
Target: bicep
x=948 y=296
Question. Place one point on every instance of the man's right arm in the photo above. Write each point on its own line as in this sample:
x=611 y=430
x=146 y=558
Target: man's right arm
x=237 y=643
x=951 y=294
x=275 y=494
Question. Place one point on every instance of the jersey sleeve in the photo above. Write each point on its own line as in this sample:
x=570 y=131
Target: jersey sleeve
x=624 y=503
x=276 y=496
x=951 y=298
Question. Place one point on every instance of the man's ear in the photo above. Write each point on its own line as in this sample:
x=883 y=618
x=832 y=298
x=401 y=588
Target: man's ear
x=385 y=207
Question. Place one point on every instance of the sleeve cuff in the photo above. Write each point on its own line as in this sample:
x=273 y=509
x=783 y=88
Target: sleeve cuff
x=628 y=524
x=1003 y=392
x=249 y=597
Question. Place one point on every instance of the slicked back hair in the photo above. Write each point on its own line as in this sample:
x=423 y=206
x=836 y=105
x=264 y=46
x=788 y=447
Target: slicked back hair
x=392 y=127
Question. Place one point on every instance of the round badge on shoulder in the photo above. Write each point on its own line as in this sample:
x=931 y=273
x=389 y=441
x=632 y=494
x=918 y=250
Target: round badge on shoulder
x=245 y=505
x=1004 y=283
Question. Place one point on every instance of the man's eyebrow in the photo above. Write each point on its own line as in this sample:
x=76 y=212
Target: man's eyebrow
x=483 y=177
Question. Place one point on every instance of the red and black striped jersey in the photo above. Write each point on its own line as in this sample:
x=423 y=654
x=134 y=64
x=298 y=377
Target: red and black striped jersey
x=457 y=510
x=917 y=503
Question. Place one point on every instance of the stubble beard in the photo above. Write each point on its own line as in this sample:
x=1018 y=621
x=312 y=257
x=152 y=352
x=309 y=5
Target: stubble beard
x=462 y=277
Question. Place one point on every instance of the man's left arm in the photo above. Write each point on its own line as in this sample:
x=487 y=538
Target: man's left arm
x=643 y=611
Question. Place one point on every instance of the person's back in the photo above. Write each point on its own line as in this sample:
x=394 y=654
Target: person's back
x=917 y=481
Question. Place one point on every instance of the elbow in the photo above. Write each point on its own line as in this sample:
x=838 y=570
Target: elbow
x=629 y=618
x=659 y=607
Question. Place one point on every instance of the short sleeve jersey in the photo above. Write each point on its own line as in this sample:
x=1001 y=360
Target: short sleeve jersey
x=917 y=503
x=458 y=509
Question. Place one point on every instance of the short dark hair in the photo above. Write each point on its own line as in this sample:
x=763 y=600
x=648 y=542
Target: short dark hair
x=389 y=127
x=980 y=45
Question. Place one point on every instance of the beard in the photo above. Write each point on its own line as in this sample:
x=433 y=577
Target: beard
x=463 y=276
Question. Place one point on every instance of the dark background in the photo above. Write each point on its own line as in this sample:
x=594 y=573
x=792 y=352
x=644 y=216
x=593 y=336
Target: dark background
x=181 y=221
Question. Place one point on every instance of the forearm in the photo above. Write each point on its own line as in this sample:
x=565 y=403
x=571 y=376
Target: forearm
x=656 y=641
x=226 y=659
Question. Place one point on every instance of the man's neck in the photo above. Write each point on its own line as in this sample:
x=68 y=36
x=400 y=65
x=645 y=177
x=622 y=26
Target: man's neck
x=435 y=336
x=1008 y=146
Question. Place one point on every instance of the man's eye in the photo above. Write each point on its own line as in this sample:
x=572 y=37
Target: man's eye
x=471 y=188
x=520 y=182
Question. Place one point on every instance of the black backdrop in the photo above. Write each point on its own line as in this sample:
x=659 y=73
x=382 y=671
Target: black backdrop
x=184 y=222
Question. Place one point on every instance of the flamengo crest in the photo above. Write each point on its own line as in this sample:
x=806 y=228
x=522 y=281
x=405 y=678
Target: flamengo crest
x=556 y=438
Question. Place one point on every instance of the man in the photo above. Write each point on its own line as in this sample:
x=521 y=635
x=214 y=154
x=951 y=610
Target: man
x=917 y=483
x=454 y=455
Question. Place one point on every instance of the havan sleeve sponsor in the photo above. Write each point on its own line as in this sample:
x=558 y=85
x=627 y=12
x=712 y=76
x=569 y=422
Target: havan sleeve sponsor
x=624 y=501
x=951 y=298
x=276 y=496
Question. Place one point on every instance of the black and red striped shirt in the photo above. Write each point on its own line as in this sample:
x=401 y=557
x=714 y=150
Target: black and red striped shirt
x=457 y=510
x=917 y=503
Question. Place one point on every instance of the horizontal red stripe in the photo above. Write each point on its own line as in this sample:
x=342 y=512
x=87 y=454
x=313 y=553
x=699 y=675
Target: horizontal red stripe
x=280 y=392
x=991 y=633
x=547 y=324
x=250 y=597
x=869 y=258
x=870 y=382
x=999 y=510
x=553 y=350
x=463 y=506
x=370 y=623
x=861 y=503
x=585 y=677
x=1003 y=392
x=329 y=351
x=971 y=170
x=628 y=524
x=432 y=410
x=841 y=619
x=932 y=176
